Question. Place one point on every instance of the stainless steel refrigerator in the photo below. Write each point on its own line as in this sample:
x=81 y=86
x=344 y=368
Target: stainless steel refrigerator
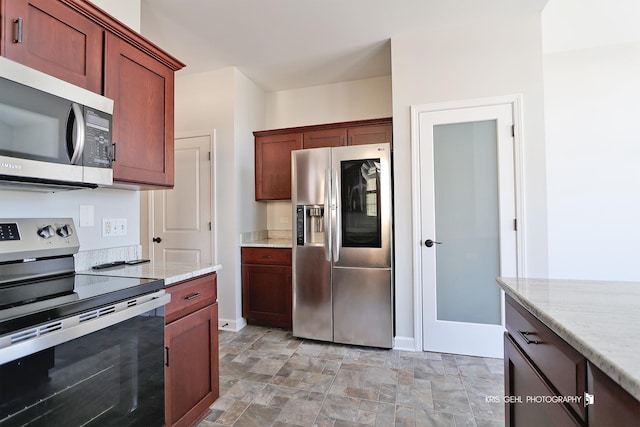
x=342 y=247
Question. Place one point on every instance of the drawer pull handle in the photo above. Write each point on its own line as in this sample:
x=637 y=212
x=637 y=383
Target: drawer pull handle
x=266 y=256
x=18 y=32
x=192 y=296
x=524 y=334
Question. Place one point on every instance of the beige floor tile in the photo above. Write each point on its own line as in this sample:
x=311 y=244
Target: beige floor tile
x=271 y=379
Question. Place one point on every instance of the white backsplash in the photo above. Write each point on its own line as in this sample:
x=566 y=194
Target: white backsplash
x=279 y=234
x=253 y=236
x=87 y=259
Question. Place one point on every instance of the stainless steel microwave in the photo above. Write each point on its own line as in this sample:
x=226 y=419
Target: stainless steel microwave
x=53 y=135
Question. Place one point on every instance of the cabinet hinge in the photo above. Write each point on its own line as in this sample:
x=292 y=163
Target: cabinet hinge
x=209 y=156
x=513 y=130
x=515 y=224
x=209 y=225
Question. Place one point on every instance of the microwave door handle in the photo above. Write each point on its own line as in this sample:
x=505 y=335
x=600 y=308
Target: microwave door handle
x=76 y=116
x=335 y=191
x=327 y=214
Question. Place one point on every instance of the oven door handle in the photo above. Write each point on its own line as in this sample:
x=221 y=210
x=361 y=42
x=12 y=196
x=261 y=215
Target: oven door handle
x=41 y=337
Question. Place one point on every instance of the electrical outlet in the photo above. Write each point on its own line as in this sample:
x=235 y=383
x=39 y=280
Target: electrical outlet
x=114 y=227
x=284 y=220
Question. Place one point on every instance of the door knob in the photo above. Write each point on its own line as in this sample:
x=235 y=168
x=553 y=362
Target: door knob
x=157 y=239
x=428 y=243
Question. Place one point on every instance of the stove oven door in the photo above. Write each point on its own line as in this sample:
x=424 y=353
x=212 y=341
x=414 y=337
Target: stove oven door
x=112 y=376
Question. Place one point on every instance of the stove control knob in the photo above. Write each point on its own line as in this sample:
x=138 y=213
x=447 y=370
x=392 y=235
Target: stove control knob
x=64 y=231
x=46 y=232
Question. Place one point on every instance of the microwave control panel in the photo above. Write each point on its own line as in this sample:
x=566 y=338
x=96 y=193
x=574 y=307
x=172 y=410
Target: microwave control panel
x=98 y=147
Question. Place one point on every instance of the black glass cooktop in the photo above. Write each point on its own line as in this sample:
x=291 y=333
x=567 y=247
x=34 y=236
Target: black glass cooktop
x=30 y=304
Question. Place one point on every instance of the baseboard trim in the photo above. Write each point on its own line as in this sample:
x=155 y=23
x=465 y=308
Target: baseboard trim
x=231 y=325
x=405 y=344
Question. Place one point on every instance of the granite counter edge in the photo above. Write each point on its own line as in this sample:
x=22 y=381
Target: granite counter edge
x=600 y=360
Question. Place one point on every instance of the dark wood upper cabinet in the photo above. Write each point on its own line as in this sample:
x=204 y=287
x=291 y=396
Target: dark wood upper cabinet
x=78 y=42
x=360 y=135
x=273 y=165
x=273 y=149
x=53 y=38
x=143 y=93
x=324 y=138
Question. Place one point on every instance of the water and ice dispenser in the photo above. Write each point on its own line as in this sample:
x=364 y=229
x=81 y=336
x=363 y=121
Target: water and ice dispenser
x=310 y=225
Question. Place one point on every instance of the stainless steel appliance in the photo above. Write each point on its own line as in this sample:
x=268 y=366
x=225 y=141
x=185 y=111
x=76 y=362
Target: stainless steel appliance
x=75 y=349
x=53 y=135
x=342 y=252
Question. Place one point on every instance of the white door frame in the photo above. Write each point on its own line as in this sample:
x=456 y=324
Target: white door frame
x=214 y=221
x=416 y=111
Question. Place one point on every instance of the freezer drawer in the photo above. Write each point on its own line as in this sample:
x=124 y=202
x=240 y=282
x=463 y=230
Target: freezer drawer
x=363 y=306
x=312 y=317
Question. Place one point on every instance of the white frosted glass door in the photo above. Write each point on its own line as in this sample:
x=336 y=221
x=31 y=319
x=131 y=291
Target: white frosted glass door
x=466 y=216
x=467 y=212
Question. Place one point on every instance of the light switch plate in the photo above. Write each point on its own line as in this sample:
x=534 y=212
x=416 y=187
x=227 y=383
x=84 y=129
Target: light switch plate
x=87 y=215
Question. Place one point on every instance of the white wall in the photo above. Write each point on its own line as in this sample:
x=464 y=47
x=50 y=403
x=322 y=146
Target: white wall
x=108 y=203
x=126 y=11
x=249 y=116
x=339 y=102
x=480 y=59
x=592 y=135
x=225 y=100
x=583 y=24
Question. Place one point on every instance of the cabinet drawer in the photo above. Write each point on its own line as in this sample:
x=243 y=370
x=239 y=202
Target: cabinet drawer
x=273 y=256
x=561 y=365
x=522 y=381
x=191 y=295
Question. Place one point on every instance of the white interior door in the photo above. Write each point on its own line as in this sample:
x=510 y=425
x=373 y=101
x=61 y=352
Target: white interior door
x=467 y=221
x=182 y=217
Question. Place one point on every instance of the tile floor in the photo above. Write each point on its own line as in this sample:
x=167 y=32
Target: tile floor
x=269 y=378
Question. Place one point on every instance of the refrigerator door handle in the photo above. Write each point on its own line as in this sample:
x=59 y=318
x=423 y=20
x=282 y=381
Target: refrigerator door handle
x=335 y=193
x=327 y=214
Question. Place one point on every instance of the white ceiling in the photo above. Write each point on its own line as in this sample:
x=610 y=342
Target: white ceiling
x=286 y=44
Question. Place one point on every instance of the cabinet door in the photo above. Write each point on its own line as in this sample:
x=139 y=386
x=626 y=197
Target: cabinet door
x=324 y=138
x=522 y=380
x=192 y=370
x=273 y=165
x=266 y=295
x=54 y=39
x=370 y=135
x=612 y=405
x=142 y=89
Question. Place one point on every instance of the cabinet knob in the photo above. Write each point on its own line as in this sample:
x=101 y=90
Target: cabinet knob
x=156 y=239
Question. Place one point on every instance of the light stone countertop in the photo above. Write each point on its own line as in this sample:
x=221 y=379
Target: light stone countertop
x=268 y=243
x=170 y=273
x=266 y=239
x=600 y=319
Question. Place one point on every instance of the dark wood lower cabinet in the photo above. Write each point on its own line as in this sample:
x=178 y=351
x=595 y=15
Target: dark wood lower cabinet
x=266 y=287
x=522 y=382
x=541 y=368
x=191 y=340
x=612 y=406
